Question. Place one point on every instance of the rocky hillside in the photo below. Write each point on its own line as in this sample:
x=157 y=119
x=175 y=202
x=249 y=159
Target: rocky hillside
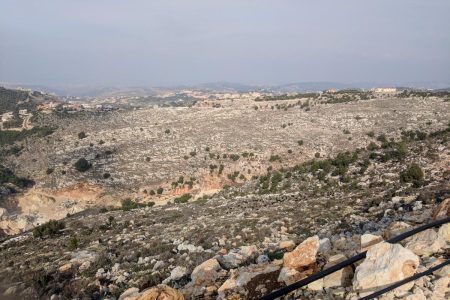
x=246 y=241
x=157 y=154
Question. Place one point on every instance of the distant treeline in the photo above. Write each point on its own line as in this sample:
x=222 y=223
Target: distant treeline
x=288 y=97
x=424 y=94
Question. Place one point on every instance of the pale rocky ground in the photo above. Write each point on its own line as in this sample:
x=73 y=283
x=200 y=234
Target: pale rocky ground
x=246 y=241
x=226 y=127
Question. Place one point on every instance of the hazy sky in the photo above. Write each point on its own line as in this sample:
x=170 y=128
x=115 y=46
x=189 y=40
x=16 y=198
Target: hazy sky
x=168 y=42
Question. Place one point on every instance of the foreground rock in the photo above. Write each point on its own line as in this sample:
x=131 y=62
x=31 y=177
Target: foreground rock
x=160 y=292
x=384 y=264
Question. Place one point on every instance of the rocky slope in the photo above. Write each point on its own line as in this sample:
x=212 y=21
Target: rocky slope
x=135 y=152
x=246 y=241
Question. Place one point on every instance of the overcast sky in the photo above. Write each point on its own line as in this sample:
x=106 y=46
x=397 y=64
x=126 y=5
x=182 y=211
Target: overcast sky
x=171 y=42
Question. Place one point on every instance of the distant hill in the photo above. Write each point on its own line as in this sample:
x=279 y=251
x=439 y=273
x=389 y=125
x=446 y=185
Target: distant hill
x=14 y=100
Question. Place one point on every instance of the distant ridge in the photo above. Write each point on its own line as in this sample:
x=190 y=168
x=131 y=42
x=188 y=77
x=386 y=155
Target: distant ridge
x=143 y=91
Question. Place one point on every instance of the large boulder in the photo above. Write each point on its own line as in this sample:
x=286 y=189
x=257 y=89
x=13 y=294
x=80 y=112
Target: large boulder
x=301 y=262
x=302 y=256
x=426 y=243
x=384 y=264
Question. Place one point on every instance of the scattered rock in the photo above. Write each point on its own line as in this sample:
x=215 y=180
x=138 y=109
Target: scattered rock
x=65 y=268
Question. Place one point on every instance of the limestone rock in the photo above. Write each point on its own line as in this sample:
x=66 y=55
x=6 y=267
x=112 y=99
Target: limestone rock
x=240 y=278
x=287 y=245
x=302 y=256
x=342 y=277
x=317 y=285
x=249 y=252
x=324 y=245
x=444 y=232
x=425 y=243
x=441 y=288
x=65 y=268
x=176 y=274
x=385 y=263
x=129 y=294
x=289 y=276
x=206 y=273
x=368 y=240
x=231 y=260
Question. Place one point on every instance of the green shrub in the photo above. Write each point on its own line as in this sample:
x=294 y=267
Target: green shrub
x=221 y=167
x=82 y=165
x=182 y=199
x=50 y=228
x=382 y=138
x=412 y=174
x=72 y=243
x=274 y=158
x=82 y=135
x=129 y=204
x=372 y=146
x=160 y=190
x=234 y=157
x=49 y=171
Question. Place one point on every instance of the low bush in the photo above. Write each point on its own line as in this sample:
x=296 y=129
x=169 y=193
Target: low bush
x=50 y=228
